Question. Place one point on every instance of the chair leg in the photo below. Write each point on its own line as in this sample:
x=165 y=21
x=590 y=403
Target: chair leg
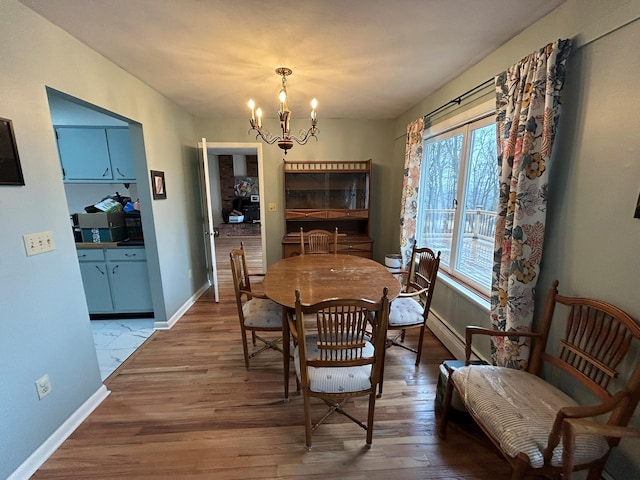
x=245 y=349
x=384 y=355
x=446 y=409
x=253 y=338
x=595 y=472
x=520 y=467
x=372 y=407
x=307 y=420
x=420 y=341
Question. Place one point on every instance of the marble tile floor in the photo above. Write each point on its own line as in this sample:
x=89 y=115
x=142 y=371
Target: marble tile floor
x=115 y=340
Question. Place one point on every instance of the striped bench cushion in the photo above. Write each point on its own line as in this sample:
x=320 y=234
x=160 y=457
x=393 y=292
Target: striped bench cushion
x=518 y=410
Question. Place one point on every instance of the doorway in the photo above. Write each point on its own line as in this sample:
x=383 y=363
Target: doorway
x=121 y=319
x=234 y=207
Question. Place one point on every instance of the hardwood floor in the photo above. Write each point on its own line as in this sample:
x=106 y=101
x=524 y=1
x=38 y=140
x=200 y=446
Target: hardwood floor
x=184 y=407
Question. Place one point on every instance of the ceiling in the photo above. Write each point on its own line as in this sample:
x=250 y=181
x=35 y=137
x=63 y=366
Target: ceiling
x=366 y=59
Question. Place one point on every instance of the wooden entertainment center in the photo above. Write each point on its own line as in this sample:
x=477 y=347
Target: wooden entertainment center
x=327 y=195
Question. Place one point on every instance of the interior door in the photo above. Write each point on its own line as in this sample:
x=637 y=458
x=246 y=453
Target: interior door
x=209 y=238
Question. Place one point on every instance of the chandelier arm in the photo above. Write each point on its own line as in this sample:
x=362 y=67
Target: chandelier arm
x=266 y=136
x=305 y=136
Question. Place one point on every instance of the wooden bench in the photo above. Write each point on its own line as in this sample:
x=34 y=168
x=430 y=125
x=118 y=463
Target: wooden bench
x=525 y=416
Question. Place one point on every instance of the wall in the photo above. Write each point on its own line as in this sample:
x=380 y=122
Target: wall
x=44 y=323
x=338 y=140
x=591 y=236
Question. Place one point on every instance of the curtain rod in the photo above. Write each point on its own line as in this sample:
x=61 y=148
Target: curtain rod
x=459 y=98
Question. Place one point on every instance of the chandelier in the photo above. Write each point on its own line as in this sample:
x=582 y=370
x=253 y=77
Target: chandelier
x=285 y=142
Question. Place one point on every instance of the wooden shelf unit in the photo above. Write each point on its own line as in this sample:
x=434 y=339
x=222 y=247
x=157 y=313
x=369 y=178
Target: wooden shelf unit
x=327 y=195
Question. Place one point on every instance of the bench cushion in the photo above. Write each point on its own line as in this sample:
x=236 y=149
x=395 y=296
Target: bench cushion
x=518 y=410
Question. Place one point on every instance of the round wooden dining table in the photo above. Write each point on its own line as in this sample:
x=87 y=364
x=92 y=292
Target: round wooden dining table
x=321 y=277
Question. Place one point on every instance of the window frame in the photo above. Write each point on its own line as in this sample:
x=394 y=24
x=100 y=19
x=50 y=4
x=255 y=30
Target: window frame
x=451 y=126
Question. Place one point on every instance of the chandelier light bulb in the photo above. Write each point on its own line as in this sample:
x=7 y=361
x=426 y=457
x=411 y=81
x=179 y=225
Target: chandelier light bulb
x=314 y=103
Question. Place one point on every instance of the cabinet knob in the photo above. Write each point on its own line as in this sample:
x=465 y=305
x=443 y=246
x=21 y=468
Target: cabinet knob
x=306 y=214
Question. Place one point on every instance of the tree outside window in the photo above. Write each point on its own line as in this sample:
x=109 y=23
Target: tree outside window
x=459 y=199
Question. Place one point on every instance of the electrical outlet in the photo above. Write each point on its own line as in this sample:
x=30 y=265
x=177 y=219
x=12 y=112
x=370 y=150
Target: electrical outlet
x=43 y=386
x=272 y=207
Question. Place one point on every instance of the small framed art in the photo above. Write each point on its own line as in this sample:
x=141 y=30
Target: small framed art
x=10 y=169
x=158 y=185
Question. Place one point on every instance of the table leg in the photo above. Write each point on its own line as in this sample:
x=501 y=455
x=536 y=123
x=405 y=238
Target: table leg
x=286 y=348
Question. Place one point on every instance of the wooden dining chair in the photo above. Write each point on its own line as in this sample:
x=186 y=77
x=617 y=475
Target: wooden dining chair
x=256 y=312
x=318 y=241
x=339 y=359
x=411 y=308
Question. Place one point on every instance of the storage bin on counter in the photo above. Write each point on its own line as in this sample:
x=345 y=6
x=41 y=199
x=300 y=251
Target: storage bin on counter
x=101 y=220
x=97 y=235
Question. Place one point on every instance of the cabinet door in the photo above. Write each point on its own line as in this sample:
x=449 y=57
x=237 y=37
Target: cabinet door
x=120 y=153
x=84 y=154
x=130 y=286
x=96 y=287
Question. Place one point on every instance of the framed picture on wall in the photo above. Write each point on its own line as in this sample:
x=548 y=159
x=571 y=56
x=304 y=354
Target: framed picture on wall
x=10 y=169
x=158 y=186
x=637 y=214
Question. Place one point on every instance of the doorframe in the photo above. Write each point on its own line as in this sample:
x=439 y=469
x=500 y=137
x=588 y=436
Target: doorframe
x=229 y=148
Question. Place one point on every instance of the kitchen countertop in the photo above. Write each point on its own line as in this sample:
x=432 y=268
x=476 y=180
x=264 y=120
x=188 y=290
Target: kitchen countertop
x=104 y=245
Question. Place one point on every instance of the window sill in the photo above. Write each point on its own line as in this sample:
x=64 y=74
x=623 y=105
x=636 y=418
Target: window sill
x=478 y=299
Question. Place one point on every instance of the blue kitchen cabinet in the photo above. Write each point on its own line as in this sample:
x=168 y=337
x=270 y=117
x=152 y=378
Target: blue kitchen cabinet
x=115 y=280
x=95 y=278
x=120 y=154
x=84 y=154
x=95 y=155
x=129 y=279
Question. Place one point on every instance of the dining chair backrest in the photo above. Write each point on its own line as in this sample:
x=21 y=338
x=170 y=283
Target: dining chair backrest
x=239 y=270
x=423 y=272
x=341 y=327
x=318 y=241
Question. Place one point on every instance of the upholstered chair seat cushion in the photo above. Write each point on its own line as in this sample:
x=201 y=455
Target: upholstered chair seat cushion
x=338 y=379
x=405 y=311
x=518 y=409
x=262 y=313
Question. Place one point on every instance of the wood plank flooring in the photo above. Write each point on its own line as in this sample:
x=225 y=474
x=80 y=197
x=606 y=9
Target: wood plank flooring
x=184 y=407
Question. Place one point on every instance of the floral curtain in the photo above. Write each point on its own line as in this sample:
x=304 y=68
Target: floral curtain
x=410 y=188
x=527 y=101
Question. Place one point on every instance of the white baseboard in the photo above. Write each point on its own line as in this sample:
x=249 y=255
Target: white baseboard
x=51 y=444
x=182 y=310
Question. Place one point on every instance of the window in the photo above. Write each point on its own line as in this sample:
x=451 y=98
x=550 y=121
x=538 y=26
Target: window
x=459 y=199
